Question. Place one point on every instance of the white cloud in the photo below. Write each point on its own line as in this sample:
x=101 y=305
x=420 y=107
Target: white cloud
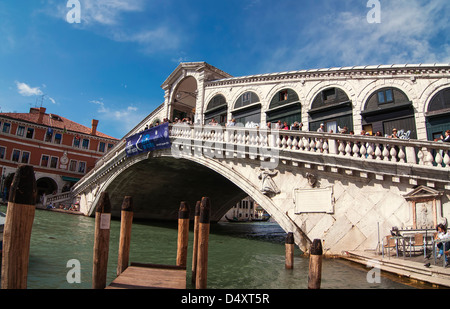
x=28 y=91
x=411 y=31
x=127 y=117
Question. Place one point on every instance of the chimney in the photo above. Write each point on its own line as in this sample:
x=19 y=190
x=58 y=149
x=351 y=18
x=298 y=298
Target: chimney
x=41 y=115
x=94 y=127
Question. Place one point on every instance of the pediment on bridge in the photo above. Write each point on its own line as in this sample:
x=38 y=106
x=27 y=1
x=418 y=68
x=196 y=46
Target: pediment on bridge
x=210 y=72
x=423 y=193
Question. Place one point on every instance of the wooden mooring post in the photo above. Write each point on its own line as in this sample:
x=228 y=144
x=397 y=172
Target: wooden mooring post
x=183 y=234
x=315 y=265
x=101 y=242
x=17 y=230
x=195 y=242
x=290 y=246
x=203 y=239
x=125 y=234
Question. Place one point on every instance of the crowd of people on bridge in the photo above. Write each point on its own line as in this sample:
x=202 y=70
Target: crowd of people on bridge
x=296 y=126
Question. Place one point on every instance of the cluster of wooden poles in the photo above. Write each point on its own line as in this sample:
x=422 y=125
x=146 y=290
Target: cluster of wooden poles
x=201 y=239
x=315 y=260
x=20 y=217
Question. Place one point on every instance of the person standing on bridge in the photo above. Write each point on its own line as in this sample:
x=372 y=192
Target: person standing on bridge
x=446 y=139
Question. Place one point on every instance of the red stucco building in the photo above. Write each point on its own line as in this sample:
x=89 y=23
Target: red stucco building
x=60 y=150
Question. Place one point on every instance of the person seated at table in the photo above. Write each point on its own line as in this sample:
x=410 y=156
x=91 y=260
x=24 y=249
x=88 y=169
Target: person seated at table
x=442 y=233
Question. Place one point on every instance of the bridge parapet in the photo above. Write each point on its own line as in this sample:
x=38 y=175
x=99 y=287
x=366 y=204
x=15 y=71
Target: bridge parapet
x=413 y=159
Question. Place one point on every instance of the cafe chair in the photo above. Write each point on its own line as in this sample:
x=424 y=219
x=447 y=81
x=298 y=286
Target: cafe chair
x=418 y=243
x=388 y=244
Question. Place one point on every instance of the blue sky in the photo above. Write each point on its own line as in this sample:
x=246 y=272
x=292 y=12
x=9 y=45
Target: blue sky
x=110 y=65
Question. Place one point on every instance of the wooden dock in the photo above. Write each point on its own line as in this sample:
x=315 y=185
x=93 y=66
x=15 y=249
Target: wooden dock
x=150 y=276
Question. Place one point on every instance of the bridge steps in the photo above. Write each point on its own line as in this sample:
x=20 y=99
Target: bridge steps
x=413 y=269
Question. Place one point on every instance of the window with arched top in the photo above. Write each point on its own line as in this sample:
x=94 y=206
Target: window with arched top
x=247 y=109
x=387 y=109
x=332 y=108
x=217 y=109
x=285 y=106
x=437 y=117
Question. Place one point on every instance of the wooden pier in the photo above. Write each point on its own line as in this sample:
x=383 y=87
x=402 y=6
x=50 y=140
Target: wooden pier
x=150 y=276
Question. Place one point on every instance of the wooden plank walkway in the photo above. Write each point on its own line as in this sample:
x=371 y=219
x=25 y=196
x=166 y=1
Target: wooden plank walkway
x=150 y=276
x=412 y=268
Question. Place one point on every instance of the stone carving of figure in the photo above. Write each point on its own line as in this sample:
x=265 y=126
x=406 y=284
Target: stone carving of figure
x=268 y=186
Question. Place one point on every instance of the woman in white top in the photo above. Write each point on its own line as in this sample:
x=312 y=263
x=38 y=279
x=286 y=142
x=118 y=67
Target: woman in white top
x=442 y=233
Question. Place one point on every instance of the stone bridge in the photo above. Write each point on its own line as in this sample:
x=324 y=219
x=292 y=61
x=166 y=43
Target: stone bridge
x=344 y=189
x=347 y=190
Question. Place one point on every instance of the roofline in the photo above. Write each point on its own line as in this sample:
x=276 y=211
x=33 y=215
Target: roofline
x=341 y=69
x=5 y=115
x=192 y=65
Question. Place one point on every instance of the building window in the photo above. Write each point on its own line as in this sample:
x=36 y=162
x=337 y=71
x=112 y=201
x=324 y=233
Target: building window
x=30 y=132
x=76 y=142
x=73 y=165
x=49 y=135
x=385 y=96
x=82 y=167
x=101 y=147
x=283 y=95
x=6 y=127
x=85 y=143
x=329 y=94
x=58 y=138
x=25 y=157
x=44 y=160
x=110 y=146
x=2 y=152
x=20 y=131
x=54 y=162
x=15 y=155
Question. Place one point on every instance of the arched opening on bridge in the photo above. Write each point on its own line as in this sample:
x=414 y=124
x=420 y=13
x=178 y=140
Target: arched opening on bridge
x=389 y=108
x=47 y=186
x=159 y=184
x=247 y=109
x=185 y=98
x=438 y=115
x=217 y=109
x=333 y=108
x=285 y=106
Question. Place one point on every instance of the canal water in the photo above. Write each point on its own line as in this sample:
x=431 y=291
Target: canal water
x=241 y=255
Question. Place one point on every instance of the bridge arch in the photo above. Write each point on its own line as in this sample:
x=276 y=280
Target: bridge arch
x=171 y=188
x=184 y=99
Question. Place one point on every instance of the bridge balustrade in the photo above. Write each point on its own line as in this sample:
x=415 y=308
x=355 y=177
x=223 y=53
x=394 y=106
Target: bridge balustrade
x=363 y=147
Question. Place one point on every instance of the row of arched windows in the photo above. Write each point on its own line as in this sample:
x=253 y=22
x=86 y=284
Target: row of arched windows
x=384 y=110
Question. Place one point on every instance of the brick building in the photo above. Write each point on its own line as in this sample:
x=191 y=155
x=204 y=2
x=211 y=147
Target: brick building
x=60 y=150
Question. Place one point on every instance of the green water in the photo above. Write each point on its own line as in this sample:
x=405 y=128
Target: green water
x=241 y=255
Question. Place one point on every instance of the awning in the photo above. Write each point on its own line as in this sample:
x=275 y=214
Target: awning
x=71 y=179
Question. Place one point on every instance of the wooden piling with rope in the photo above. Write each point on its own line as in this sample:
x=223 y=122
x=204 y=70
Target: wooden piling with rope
x=17 y=230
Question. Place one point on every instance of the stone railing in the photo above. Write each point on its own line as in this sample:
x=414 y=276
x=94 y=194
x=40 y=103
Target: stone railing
x=359 y=147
